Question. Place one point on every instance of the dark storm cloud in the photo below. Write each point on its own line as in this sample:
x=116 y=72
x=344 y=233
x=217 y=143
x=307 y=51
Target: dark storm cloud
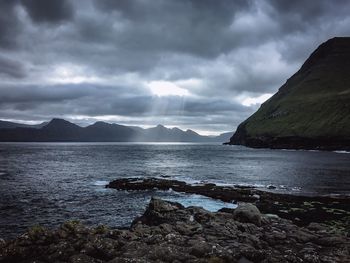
x=10 y=68
x=304 y=24
x=39 y=10
x=309 y=11
x=8 y=24
x=39 y=94
x=220 y=12
x=221 y=52
x=48 y=11
x=193 y=27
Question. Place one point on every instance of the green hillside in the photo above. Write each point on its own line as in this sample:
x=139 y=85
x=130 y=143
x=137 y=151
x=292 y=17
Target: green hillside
x=313 y=104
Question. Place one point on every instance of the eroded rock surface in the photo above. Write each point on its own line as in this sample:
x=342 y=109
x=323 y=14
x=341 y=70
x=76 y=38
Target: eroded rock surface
x=168 y=232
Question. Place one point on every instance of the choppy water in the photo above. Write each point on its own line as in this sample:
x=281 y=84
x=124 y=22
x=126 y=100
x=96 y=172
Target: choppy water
x=48 y=183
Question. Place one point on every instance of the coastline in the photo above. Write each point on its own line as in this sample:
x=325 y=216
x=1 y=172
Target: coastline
x=333 y=144
x=169 y=232
x=300 y=209
x=264 y=227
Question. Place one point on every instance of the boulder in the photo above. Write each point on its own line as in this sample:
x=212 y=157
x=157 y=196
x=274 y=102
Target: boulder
x=160 y=211
x=161 y=206
x=247 y=213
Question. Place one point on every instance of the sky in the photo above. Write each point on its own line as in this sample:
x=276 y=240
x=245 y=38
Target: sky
x=204 y=65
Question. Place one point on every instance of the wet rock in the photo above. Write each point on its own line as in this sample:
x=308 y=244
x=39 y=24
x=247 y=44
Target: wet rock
x=247 y=213
x=103 y=248
x=317 y=227
x=330 y=241
x=226 y=210
x=2 y=242
x=128 y=260
x=200 y=249
x=302 y=236
x=244 y=260
x=158 y=205
x=159 y=211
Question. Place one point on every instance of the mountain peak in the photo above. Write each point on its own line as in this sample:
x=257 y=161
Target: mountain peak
x=59 y=120
x=331 y=51
x=100 y=124
x=337 y=41
x=191 y=132
x=59 y=123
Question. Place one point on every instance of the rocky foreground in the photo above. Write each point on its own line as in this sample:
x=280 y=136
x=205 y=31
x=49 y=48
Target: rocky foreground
x=169 y=232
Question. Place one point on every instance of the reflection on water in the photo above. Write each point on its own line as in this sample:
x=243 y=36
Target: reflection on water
x=48 y=183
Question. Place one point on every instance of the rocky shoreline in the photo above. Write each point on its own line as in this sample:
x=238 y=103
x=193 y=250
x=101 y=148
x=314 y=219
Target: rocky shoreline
x=169 y=232
x=289 y=142
x=302 y=210
x=263 y=228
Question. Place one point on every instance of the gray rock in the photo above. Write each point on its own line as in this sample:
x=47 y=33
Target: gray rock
x=128 y=260
x=330 y=240
x=81 y=258
x=247 y=213
x=317 y=227
x=2 y=242
x=200 y=249
x=244 y=260
x=159 y=205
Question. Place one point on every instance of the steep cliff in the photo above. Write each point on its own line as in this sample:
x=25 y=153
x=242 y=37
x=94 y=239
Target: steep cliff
x=311 y=110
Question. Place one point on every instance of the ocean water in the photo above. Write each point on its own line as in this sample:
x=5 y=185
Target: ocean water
x=49 y=183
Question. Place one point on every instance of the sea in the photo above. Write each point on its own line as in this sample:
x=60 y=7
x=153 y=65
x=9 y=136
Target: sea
x=50 y=183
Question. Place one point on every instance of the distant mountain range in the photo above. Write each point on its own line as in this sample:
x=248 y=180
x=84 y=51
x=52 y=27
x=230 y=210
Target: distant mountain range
x=11 y=125
x=311 y=110
x=60 y=130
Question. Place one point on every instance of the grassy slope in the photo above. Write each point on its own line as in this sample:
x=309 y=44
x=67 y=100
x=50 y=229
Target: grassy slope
x=315 y=102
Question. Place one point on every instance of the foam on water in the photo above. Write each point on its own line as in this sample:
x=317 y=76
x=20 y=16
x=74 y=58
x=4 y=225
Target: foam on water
x=100 y=183
x=341 y=152
x=207 y=203
x=187 y=180
x=191 y=181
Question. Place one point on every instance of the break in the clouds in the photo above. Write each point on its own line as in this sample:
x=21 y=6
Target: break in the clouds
x=200 y=64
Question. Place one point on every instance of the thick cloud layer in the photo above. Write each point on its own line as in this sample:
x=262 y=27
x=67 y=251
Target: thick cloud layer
x=48 y=11
x=197 y=64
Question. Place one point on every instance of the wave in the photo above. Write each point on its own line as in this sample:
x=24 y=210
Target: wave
x=341 y=151
x=100 y=183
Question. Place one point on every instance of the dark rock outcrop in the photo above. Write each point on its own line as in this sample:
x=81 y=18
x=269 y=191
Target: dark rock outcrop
x=311 y=110
x=168 y=232
x=302 y=210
